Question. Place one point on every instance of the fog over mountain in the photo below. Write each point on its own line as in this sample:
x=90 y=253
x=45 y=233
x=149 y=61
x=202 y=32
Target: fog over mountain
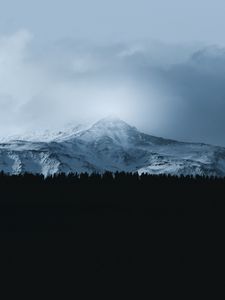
x=144 y=62
x=174 y=91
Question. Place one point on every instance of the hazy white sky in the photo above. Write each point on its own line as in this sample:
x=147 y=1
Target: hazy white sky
x=159 y=65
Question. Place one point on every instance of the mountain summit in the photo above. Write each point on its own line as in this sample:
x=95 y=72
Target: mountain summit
x=111 y=128
x=109 y=145
x=113 y=124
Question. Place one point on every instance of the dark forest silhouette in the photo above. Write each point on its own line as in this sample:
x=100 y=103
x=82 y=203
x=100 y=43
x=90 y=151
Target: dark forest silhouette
x=161 y=232
x=122 y=189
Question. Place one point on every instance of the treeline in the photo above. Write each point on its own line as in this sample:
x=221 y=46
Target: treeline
x=120 y=188
x=118 y=230
x=119 y=177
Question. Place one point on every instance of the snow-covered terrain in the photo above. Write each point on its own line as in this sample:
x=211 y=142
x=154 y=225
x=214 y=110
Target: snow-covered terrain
x=108 y=145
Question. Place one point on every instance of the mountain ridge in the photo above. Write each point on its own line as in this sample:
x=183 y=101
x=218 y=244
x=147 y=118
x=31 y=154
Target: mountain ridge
x=110 y=145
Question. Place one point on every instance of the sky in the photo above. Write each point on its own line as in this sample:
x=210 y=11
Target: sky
x=174 y=21
x=159 y=65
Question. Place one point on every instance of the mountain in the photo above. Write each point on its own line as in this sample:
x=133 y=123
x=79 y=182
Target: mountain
x=108 y=145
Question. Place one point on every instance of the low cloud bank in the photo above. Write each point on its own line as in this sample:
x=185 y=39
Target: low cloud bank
x=175 y=91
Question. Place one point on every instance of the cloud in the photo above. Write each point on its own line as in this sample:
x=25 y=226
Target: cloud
x=20 y=79
x=175 y=91
x=199 y=85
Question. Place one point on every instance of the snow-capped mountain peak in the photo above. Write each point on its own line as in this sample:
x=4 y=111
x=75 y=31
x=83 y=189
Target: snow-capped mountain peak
x=113 y=123
x=108 y=145
x=111 y=128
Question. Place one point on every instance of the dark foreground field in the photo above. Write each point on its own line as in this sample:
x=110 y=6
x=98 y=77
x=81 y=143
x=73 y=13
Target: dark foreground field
x=148 y=237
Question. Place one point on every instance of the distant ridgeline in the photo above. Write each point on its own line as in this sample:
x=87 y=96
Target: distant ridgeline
x=110 y=144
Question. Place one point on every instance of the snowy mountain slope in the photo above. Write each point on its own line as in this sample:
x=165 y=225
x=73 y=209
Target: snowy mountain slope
x=46 y=135
x=109 y=145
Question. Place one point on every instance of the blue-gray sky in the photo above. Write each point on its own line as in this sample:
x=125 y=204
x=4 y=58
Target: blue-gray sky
x=160 y=65
x=174 y=20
